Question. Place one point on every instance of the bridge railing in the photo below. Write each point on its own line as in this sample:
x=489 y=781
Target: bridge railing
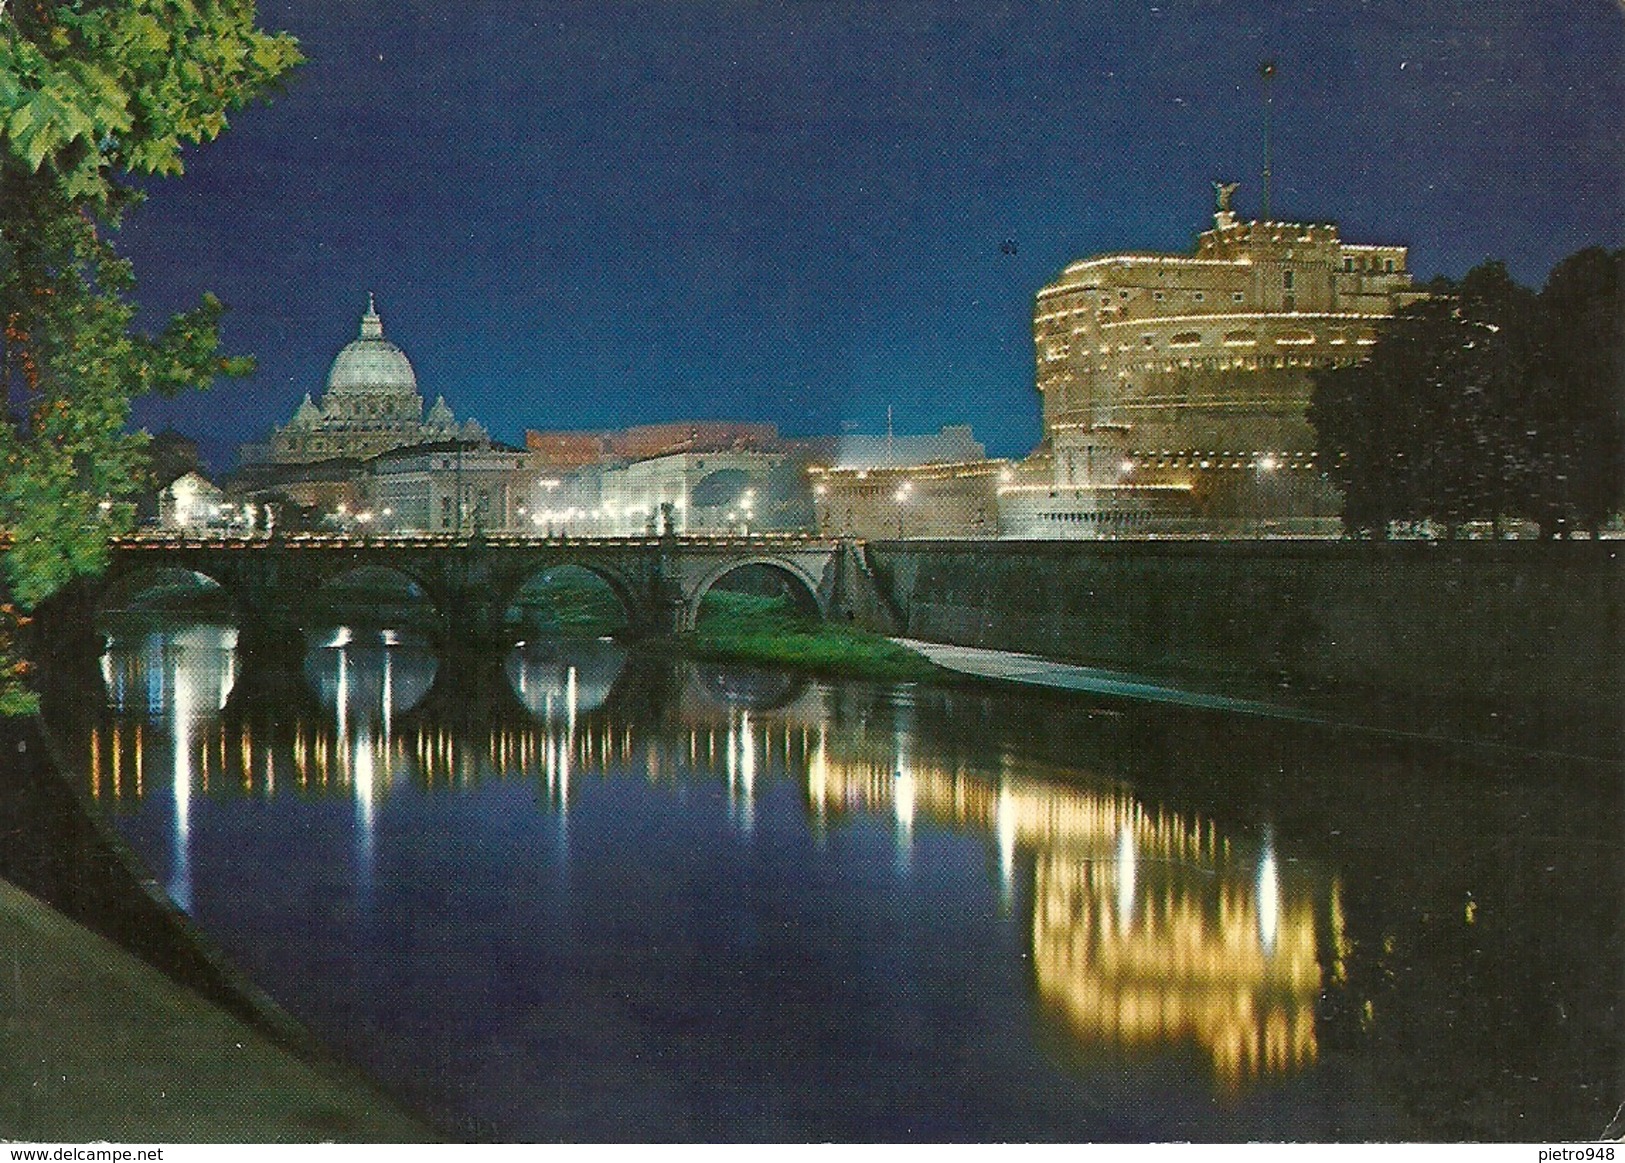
x=170 y=539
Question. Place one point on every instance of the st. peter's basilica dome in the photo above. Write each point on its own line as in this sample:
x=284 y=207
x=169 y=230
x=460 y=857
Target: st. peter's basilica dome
x=372 y=363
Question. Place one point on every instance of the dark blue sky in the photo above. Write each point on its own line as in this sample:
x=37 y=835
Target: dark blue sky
x=599 y=214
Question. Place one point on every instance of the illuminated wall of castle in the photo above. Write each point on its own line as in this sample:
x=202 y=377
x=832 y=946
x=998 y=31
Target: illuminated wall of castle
x=1181 y=381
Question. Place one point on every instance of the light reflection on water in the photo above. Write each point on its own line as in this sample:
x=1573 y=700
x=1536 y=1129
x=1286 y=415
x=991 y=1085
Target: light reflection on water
x=1148 y=931
x=178 y=679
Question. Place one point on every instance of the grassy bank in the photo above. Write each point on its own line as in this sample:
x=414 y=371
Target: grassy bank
x=749 y=628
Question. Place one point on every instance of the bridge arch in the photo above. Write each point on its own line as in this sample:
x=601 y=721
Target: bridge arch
x=392 y=593
x=540 y=570
x=619 y=586
x=802 y=583
x=158 y=588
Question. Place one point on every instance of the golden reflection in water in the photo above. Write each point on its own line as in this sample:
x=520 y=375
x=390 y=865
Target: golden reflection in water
x=1148 y=930
x=1190 y=967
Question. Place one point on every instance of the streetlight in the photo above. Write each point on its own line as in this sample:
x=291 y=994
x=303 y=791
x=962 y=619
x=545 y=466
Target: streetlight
x=901 y=496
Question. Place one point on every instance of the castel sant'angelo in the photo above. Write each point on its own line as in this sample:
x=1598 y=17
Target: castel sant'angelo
x=1175 y=387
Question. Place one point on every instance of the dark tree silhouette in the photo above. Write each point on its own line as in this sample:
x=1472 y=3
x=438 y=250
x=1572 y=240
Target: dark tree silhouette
x=1484 y=401
x=1576 y=405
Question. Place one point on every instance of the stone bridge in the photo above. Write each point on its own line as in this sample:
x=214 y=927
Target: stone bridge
x=471 y=581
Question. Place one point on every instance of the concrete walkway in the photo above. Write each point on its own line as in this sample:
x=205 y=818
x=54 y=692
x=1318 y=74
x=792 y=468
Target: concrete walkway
x=98 y=1046
x=1031 y=670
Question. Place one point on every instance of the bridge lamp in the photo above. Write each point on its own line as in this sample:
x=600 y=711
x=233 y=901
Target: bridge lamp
x=1268 y=463
x=1127 y=466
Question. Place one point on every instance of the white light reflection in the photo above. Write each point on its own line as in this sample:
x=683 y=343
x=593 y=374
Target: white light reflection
x=903 y=792
x=739 y=761
x=182 y=717
x=567 y=745
x=1269 y=893
x=1004 y=824
x=341 y=641
x=905 y=789
x=187 y=674
x=747 y=757
x=818 y=779
x=386 y=702
x=355 y=752
x=1125 y=879
x=362 y=781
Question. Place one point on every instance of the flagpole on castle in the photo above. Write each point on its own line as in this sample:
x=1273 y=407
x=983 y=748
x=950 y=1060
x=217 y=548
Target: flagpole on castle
x=1267 y=71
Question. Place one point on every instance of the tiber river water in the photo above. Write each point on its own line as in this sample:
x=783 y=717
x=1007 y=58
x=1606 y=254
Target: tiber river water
x=598 y=897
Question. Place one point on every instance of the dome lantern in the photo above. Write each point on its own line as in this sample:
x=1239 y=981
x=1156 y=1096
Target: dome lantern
x=372 y=327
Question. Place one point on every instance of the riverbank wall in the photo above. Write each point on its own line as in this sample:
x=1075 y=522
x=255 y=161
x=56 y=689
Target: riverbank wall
x=55 y=848
x=1511 y=641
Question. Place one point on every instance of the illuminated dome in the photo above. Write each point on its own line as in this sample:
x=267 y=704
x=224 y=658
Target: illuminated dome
x=372 y=363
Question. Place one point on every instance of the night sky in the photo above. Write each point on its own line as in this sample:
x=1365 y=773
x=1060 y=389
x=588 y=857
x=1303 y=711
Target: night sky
x=600 y=214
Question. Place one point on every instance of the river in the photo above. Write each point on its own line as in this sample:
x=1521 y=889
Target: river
x=581 y=894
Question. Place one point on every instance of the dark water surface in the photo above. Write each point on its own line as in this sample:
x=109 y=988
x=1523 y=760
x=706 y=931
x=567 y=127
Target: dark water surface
x=572 y=894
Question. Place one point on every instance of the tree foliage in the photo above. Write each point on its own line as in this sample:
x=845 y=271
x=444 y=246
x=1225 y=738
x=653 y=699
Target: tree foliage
x=95 y=94
x=1577 y=408
x=1485 y=401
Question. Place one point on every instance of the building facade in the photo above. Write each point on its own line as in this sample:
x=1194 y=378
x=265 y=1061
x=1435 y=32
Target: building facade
x=1175 y=387
x=954 y=499
x=700 y=493
x=702 y=477
x=938 y=484
x=449 y=486
x=190 y=502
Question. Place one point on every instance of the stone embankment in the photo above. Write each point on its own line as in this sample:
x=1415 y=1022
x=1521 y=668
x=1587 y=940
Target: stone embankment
x=124 y=1022
x=1507 y=641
